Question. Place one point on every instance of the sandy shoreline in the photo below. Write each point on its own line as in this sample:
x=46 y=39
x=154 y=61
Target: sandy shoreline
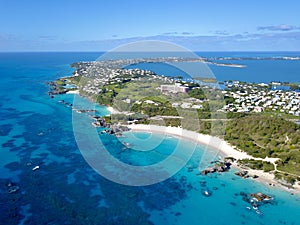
x=223 y=149
x=73 y=92
x=112 y=110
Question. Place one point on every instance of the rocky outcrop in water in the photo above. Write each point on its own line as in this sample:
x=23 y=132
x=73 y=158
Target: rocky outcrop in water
x=55 y=89
x=260 y=197
x=219 y=167
x=244 y=174
x=256 y=200
x=109 y=128
x=12 y=188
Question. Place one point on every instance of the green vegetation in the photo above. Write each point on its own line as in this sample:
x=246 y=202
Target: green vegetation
x=197 y=93
x=74 y=80
x=257 y=164
x=107 y=96
x=261 y=136
x=288 y=178
x=159 y=106
x=60 y=83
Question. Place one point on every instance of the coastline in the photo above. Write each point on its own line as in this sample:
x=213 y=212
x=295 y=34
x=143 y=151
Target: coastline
x=73 y=92
x=223 y=148
x=112 y=110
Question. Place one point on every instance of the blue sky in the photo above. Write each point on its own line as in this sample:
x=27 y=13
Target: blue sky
x=97 y=25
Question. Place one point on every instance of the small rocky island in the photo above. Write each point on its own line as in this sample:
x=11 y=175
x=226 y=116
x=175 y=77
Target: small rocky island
x=256 y=200
x=260 y=197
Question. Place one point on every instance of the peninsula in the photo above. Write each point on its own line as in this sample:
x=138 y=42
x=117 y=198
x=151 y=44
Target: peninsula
x=259 y=125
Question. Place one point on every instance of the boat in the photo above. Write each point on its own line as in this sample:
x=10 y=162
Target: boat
x=206 y=193
x=35 y=168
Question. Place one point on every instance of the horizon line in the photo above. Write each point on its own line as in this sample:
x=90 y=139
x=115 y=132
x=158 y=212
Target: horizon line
x=103 y=51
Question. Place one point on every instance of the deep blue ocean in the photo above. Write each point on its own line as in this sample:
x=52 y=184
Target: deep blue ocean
x=36 y=130
x=257 y=71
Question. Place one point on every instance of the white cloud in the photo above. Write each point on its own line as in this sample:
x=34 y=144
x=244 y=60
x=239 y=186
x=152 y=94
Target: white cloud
x=282 y=27
x=269 y=41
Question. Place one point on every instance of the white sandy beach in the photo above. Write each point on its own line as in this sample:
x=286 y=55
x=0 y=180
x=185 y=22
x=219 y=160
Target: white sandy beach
x=73 y=92
x=207 y=140
x=112 y=110
x=220 y=145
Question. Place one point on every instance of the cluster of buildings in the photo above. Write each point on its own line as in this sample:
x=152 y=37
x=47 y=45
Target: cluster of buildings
x=97 y=74
x=259 y=98
x=189 y=103
x=243 y=97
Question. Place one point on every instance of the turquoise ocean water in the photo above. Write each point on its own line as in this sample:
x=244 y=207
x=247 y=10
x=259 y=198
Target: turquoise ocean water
x=36 y=130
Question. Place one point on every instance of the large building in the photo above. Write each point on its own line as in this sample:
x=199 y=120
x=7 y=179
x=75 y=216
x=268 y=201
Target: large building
x=174 y=88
